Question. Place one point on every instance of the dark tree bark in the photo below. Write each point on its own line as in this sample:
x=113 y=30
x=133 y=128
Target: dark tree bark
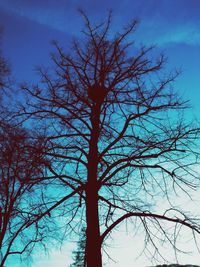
x=93 y=242
x=113 y=137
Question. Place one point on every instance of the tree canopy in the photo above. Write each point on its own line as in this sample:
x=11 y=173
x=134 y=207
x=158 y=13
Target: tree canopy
x=114 y=138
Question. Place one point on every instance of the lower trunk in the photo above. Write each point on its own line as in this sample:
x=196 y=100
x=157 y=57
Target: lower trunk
x=93 y=241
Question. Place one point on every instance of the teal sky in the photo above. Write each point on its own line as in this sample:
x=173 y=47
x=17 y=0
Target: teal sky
x=172 y=25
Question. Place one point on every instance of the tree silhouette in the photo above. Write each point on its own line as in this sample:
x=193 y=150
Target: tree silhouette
x=79 y=253
x=115 y=136
x=19 y=166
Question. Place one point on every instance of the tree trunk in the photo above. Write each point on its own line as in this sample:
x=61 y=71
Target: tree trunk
x=93 y=244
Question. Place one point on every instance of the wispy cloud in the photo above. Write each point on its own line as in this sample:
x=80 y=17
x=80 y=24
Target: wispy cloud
x=59 y=17
x=188 y=34
x=162 y=25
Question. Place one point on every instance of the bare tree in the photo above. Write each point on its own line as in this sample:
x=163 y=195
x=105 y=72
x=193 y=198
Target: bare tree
x=19 y=196
x=20 y=163
x=115 y=136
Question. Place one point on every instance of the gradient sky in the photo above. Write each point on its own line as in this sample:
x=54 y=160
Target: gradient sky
x=172 y=25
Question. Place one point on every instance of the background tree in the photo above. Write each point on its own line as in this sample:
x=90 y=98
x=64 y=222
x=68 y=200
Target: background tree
x=21 y=162
x=79 y=253
x=19 y=196
x=115 y=137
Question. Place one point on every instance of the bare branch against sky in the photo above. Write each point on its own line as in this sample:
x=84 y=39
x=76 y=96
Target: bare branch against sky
x=100 y=141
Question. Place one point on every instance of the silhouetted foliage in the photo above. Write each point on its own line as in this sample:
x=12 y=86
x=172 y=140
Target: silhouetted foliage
x=79 y=253
x=115 y=138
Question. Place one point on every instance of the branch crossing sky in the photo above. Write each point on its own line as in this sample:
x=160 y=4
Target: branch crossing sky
x=172 y=25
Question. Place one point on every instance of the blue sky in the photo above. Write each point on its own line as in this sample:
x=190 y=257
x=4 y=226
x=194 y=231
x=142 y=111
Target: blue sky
x=173 y=25
x=166 y=21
